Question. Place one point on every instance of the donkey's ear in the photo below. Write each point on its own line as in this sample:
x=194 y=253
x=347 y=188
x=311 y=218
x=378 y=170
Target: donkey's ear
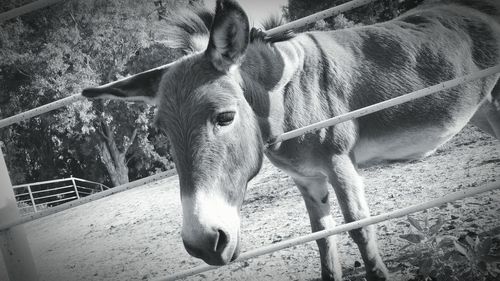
x=139 y=87
x=229 y=36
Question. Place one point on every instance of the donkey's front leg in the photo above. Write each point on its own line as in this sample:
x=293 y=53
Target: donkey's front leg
x=349 y=189
x=316 y=196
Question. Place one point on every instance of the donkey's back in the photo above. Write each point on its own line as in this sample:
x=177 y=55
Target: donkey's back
x=348 y=69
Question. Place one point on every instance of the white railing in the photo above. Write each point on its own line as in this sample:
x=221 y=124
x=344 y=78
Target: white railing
x=37 y=196
x=8 y=223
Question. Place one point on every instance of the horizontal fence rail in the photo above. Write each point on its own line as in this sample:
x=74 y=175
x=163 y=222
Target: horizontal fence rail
x=385 y=104
x=91 y=182
x=317 y=16
x=57 y=104
x=40 y=110
x=56 y=181
x=90 y=198
x=28 y=8
x=343 y=228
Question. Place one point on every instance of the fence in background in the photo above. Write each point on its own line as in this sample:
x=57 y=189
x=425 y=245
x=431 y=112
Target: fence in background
x=34 y=197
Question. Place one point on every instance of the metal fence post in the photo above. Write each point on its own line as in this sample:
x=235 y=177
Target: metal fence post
x=32 y=199
x=74 y=185
x=16 y=253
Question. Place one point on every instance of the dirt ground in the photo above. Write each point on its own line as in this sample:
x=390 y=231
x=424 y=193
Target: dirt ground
x=135 y=235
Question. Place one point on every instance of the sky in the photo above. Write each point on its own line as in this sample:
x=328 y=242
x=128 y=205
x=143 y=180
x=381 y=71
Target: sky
x=257 y=10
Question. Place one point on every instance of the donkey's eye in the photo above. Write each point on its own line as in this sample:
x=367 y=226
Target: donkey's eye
x=225 y=118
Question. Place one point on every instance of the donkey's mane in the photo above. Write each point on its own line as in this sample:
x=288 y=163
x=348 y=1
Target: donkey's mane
x=189 y=29
x=270 y=23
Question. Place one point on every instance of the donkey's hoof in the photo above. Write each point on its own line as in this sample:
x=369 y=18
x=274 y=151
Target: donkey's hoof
x=377 y=275
x=327 y=275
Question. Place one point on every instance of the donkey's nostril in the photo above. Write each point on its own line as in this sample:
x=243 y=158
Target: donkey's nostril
x=215 y=246
x=193 y=251
x=221 y=241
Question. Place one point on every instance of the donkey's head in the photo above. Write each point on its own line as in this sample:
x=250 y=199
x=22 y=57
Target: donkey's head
x=216 y=141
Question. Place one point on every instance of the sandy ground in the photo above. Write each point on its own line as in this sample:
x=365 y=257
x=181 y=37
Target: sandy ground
x=135 y=235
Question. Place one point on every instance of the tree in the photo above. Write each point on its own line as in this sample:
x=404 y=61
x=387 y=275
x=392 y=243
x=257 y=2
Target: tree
x=56 y=52
x=377 y=11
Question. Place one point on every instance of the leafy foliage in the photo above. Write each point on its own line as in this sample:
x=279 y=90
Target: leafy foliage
x=377 y=11
x=56 y=52
x=437 y=258
x=429 y=251
x=481 y=261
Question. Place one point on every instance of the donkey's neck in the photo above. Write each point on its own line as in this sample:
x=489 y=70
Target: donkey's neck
x=296 y=82
x=267 y=72
x=262 y=72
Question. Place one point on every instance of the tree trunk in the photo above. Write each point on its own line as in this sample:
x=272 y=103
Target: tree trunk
x=117 y=170
x=114 y=159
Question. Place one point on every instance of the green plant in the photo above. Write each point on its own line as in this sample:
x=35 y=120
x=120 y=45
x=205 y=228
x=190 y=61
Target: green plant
x=442 y=257
x=481 y=262
x=425 y=234
x=430 y=250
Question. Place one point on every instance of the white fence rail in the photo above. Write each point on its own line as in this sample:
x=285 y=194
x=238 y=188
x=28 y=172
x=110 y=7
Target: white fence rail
x=386 y=104
x=7 y=224
x=34 y=197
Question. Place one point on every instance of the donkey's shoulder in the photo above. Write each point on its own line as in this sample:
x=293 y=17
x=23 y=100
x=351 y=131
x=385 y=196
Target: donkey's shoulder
x=488 y=7
x=454 y=15
x=428 y=29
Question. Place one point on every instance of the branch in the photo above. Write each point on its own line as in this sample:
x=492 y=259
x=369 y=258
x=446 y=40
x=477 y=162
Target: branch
x=111 y=144
x=101 y=132
x=132 y=139
x=134 y=154
x=76 y=23
x=87 y=61
x=23 y=73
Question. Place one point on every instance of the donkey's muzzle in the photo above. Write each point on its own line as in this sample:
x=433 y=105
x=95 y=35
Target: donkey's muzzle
x=213 y=247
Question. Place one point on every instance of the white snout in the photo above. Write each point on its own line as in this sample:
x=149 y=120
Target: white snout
x=210 y=227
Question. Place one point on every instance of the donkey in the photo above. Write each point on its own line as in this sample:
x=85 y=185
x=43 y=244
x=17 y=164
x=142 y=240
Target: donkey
x=223 y=102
